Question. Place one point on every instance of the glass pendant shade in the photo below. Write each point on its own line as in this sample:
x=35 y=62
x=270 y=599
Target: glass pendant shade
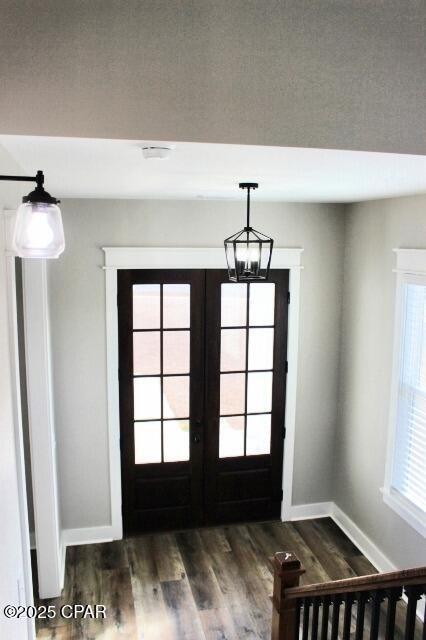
x=248 y=252
x=38 y=231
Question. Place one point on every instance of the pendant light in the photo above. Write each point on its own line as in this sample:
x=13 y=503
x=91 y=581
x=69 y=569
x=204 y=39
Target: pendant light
x=38 y=229
x=248 y=252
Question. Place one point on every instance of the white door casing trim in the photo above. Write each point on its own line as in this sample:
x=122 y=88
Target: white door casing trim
x=191 y=258
x=26 y=583
x=47 y=522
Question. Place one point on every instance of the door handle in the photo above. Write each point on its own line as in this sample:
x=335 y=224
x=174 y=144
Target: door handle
x=196 y=438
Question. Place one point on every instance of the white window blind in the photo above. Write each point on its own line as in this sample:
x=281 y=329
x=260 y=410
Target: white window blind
x=409 y=467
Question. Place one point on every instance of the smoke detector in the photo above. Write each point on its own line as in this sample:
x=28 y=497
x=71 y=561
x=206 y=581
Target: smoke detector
x=156 y=152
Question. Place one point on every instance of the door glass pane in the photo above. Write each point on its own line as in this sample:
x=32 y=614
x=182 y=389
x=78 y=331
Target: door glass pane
x=147 y=442
x=147 y=398
x=176 y=397
x=231 y=437
x=176 y=306
x=233 y=305
x=146 y=306
x=176 y=352
x=232 y=393
x=259 y=392
x=176 y=440
x=258 y=435
x=261 y=348
x=146 y=352
x=233 y=350
x=262 y=303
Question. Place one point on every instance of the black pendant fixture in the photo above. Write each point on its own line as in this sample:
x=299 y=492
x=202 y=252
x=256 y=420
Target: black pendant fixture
x=248 y=252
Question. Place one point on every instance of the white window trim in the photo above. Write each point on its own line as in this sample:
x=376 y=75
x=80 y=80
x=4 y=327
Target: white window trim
x=410 y=267
x=191 y=258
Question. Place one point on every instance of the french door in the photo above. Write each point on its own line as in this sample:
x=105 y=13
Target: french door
x=202 y=370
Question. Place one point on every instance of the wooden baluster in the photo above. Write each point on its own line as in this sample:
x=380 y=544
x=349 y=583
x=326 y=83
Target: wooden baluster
x=377 y=599
x=413 y=594
x=324 y=619
x=306 y=605
x=360 y=614
x=393 y=595
x=287 y=572
x=337 y=599
x=315 y=612
x=288 y=599
x=349 y=599
x=424 y=617
x=297 y=620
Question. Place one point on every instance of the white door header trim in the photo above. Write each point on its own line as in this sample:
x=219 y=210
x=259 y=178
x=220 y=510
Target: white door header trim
x=187 y=258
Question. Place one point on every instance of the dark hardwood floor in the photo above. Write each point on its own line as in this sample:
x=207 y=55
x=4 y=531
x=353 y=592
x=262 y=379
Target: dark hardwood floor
x=204 y=584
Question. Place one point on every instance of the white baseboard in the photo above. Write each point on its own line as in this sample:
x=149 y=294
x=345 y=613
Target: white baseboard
x=370 y=550
x=348 y=526
x=309 y=511
x=89 y=535
x=354 y=533
x=362 y=541
x=62 y=561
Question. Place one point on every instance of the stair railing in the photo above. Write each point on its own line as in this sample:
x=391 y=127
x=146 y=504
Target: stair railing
x=314 y=611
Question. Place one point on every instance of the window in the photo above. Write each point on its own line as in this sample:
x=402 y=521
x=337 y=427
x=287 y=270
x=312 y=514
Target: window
x=405 y=485
x=161 y=372
x=246 y=368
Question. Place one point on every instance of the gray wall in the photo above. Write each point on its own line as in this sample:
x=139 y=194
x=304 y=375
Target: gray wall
x=78 y=330
x=357 y=435
x=373 y=229
x=320 y=73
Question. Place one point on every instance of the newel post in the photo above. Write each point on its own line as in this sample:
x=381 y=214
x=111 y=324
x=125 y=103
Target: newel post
x=287 y=571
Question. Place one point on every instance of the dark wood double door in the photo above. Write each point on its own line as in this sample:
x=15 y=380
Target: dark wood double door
x=202 y=370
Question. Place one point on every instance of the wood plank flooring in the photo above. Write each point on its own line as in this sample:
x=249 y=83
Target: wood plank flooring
x=204 y=584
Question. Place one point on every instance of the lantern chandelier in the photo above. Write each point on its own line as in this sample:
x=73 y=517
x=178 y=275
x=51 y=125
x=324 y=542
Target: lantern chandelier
x=38 y=229
x=248 y=252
